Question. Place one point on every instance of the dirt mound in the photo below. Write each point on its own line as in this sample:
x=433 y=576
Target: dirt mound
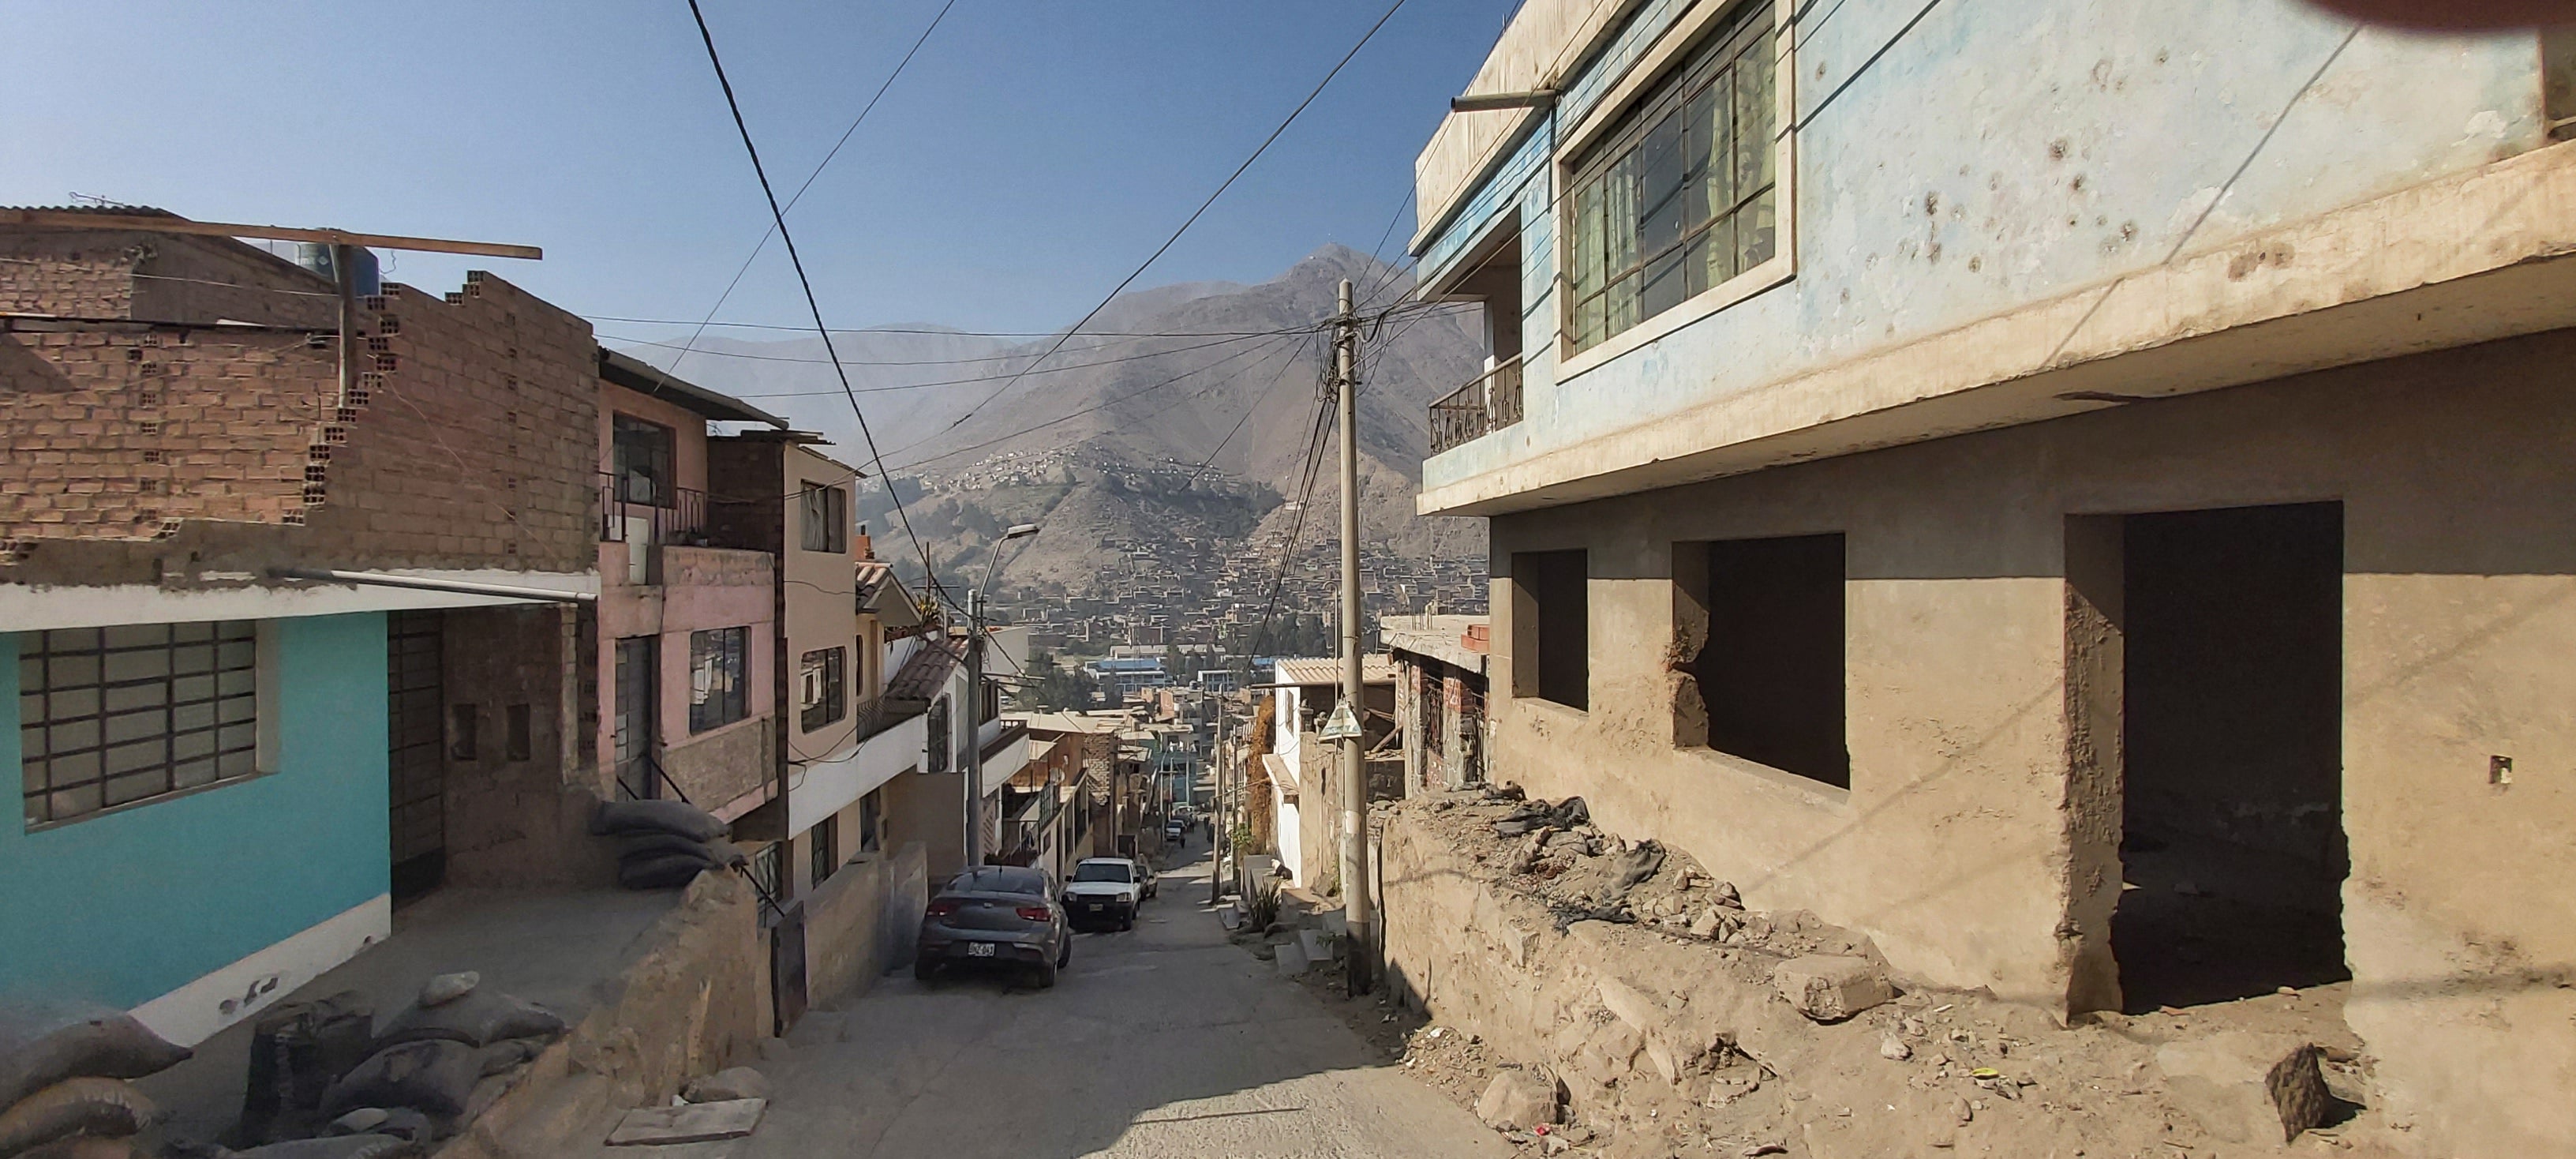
x=1674 y=1020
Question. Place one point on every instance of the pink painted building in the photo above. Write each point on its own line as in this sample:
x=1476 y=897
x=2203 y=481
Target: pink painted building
x=687 y=631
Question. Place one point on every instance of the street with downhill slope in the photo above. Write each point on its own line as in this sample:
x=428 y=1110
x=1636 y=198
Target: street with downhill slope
x=1164 y=1041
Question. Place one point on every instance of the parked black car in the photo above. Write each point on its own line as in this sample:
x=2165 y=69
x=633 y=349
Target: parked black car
x=995 y=914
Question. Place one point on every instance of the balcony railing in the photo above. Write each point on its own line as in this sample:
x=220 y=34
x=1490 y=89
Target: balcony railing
x=1489 y=403
x=634 y=509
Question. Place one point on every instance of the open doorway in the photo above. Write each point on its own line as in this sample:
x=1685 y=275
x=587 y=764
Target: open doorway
x=2232 y=847
x=415 y=754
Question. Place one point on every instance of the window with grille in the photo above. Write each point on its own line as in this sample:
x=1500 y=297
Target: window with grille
x=1680 y=196
x=940 y=739
x=111 y=717
x=642 y=454
x=719 y=684
x=826 y=518
x=823 y=695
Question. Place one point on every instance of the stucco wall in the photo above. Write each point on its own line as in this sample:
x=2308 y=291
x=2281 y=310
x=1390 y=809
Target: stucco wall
x=864 y=921
x=2072 y=145
x=126 y=907
x=1951 y=847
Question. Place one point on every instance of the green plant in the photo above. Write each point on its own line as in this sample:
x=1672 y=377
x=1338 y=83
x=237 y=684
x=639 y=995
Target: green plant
x=1262 y=908
x=1243 y=837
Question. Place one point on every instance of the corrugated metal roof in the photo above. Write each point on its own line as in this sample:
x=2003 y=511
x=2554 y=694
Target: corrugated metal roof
x=1374 y=669
x=645 y=378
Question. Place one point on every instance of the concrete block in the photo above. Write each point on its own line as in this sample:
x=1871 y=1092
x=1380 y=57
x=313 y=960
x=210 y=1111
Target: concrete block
x=1633 y=1006
x=1291 y=959
x=1831 y=987
x=1318 y=945
x=1334 y=922
x=1517 y=1100
x=695 y=1123
x=727 y=1085
x=2247 y=1087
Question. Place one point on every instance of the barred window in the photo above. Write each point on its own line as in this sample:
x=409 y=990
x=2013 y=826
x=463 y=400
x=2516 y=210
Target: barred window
x=719 y=682
x=111 y=717
x=823 y=695
x=1680 y=196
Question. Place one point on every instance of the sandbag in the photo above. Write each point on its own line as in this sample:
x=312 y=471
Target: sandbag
x=84 y=1147
x=337 y=1147
x=432 y=1076
x=79 y=1106
x=45 y=1042
x=663 y=871
x=297 y=1050
x=678 y=818
x=400 y=1122
x=478 y=1020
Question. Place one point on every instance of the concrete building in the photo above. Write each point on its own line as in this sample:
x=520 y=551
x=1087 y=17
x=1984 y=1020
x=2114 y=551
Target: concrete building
x=1945 y=464
x=688 y=630
x=278 y=652
x=1304 y=770
x=1439 y=697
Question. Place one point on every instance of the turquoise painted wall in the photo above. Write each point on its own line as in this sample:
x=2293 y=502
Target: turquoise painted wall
x=124 y=908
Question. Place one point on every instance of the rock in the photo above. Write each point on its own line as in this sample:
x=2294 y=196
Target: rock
x=770 y=1049
x=740 y=1082
x=1763 y=1149
x=1726 y=895
x=1894 y=1049
x=1553 y=1145
x=1516 y=1100
x=1830 y=988
x=1512 y=828
x=447 y=988
x=2245 y=1086
x=1960 y=1110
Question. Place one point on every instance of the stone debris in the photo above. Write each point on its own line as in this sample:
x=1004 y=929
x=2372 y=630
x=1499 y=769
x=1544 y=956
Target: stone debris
x=446 y=988
x=1830 y=988
x=2247 y=1086
x=1894 y=1049
x=1517 y=1100
x=727 y=1085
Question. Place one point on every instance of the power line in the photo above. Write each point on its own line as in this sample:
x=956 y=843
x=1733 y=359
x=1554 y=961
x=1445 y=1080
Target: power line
x=1195 y=214
x=942 y=331
x=775 y=228
x=778 y=216
x=936 y=382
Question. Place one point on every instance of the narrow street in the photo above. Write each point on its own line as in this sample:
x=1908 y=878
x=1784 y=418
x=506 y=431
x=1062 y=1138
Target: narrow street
x=1164 y=1041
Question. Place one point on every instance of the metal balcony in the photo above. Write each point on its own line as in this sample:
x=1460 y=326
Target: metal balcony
x=1489 y=403
x=634 y=509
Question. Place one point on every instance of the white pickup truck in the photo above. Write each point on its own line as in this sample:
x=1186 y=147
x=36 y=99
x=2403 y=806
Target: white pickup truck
x=1107 y=891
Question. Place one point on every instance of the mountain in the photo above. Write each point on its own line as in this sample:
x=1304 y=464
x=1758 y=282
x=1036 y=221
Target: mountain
x=1161 y=449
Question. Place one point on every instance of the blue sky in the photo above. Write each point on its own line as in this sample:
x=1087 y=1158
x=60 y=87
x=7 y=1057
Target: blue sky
x=1028 y=158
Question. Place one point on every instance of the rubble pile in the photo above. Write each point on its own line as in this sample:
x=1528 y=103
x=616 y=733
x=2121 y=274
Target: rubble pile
x=1663 y=1017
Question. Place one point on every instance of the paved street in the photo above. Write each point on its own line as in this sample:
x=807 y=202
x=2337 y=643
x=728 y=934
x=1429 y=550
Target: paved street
x=1166 y=1041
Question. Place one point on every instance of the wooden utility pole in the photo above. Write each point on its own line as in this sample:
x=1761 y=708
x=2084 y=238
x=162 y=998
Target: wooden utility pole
x=1357 y=908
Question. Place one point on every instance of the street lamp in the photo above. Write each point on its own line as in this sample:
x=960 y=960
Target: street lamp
x=972 y=761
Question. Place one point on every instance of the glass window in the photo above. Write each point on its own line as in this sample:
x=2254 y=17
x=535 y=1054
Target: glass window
x=825 y=839
x=940 y=740
x=826 y=518
x=118 y=716
x=823 y=688
x=1680 y=196
x=642 y=457
x=1111 y=871
x=719 y=684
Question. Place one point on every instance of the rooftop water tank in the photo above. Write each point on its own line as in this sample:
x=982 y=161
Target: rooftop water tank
x=316 y=256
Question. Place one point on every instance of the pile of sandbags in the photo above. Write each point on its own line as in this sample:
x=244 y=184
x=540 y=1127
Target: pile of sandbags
x=665 y=844
x=325 y=1084
x=63 y=1067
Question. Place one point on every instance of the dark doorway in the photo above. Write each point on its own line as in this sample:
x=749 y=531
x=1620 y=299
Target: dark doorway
x=2232 y=844
x=1551 y=629
x=633 y=731
x=415 y=756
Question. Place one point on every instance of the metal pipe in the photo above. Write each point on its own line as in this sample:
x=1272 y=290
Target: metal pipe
x=1482 y=102
x=423 y=583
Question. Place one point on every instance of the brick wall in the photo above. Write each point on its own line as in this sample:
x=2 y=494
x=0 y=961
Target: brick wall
x=153 y=451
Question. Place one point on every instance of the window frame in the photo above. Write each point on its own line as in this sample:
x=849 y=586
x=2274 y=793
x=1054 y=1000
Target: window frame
x=1531 y=628
x=1612 y=115
x=730 y=650
x=823 y=690
x=256 y=689
x=823 y=518
x=662 y=480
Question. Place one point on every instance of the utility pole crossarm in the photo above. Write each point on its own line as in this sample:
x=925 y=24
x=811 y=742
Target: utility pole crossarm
x=154 y=223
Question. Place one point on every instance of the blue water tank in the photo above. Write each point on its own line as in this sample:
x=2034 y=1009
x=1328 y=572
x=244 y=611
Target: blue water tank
x=316 y=256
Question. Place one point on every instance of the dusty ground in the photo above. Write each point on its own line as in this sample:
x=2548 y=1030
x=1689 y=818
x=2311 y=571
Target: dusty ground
x=1928 y=1074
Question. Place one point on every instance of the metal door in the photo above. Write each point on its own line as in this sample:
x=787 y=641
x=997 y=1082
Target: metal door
x=787 y=966
x=415 y=739
x=638 y=693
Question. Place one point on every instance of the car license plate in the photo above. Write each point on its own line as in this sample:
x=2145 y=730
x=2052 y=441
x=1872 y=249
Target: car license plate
x=1096 y=907
x=979 y=949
